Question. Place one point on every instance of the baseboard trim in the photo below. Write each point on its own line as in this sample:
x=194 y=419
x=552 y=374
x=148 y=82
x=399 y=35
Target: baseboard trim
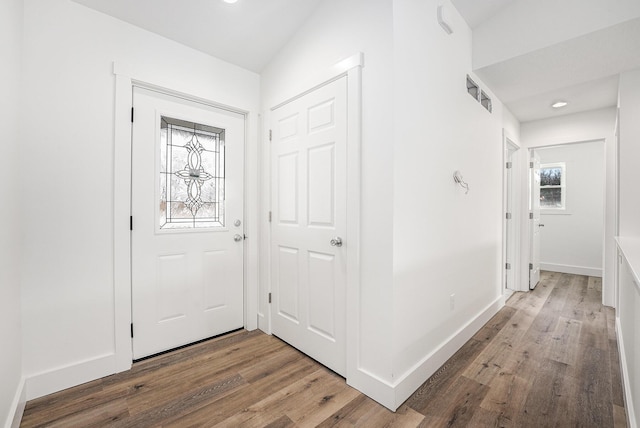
x=575 y=270
x=55 y=380
x=420 y=372
x=17 y=406
x=626 y=381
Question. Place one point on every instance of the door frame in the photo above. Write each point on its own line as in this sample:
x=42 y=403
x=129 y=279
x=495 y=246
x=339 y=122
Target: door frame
x=124 y=84
x=510 y=193
x=351 y=68
x=526 y=235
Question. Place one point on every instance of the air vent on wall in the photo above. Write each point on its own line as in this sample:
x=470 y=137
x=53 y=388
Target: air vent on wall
x=485 y=101
x=479 y=95
x=472 y=88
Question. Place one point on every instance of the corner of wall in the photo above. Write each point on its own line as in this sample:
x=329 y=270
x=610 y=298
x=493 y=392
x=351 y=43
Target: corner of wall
x=17 y=406
x=419 y=373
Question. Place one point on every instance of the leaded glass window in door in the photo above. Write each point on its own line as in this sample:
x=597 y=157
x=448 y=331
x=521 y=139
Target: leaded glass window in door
x=192 y=175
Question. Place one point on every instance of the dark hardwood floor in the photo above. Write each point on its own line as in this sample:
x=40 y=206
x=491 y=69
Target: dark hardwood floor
x=549 y=358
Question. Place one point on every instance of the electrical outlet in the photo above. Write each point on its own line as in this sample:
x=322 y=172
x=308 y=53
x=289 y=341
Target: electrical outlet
x=452 y=301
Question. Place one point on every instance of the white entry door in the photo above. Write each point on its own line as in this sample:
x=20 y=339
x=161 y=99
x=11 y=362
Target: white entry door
x=187 y=214
x=534 y=221
x=308 y=161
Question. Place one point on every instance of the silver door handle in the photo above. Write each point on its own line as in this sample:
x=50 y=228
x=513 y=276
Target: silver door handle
x=336 y=242
x=237 y=238
x=541 y=225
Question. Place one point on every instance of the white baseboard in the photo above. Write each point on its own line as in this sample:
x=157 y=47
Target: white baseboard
x=626 y=381
x=373 y=387
x=17 y=406
x=575 y=270
x=418 y=374
x=55 y=380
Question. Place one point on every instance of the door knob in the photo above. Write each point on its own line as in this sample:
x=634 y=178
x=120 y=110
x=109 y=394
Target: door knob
x=541 y=225
x=237 y=237
x=336 y=242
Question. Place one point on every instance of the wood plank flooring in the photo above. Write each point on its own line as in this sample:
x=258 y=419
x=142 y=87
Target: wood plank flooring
x=549 y=358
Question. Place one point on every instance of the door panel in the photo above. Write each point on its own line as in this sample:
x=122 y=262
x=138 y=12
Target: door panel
x=308 y=155
x=187 y=191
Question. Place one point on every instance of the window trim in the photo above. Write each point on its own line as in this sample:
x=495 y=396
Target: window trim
x=563 y=187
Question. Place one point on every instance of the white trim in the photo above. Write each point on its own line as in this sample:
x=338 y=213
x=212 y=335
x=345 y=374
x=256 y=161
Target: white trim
x=512 y=156
x=626 y=380
x=121 y=232
x=576 y=270
x=17 y=406
x=55 y=380
x=122 y=210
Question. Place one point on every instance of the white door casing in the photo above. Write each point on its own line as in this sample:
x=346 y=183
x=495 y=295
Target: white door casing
x=511 y=215
x=187 y=284
x=534 y=209
x=309 y=205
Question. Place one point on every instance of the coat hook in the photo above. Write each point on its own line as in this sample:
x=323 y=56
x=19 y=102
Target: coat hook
x=457 y=177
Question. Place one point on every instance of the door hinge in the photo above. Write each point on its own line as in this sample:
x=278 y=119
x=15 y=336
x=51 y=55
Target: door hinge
x=530 y=216
x=509 y=165
x=131 y=222
x=507 y=266
x=131 y=329
x=508 y=216
x=269 y=216
x=530 y=266
x=131 y=114
x=270 y=135
x=269 y=297
x=530 y=164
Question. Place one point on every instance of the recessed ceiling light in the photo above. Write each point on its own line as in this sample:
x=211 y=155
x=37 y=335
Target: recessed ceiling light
x=230 y=1
x=559 y=104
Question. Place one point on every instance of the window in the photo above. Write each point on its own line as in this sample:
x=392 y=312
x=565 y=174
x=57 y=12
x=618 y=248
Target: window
x=553 y=186
x=192 y=175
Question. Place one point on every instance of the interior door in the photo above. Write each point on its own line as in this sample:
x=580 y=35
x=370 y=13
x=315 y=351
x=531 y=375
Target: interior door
x=534 y=268
x=187 y=214
x=308 y=164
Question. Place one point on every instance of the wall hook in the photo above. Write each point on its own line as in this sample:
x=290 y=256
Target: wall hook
x=457 y=177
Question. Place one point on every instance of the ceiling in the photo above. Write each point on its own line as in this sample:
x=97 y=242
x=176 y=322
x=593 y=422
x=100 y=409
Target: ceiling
x=581 y=68
x=477 y=11
x=248 y=33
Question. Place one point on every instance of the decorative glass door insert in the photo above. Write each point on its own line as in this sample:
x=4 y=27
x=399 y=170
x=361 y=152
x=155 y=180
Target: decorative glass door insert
x=192 y=175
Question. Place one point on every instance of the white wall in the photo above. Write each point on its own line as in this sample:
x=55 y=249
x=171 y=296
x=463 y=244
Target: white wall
x=419 y=125
x=629 y=277
x=571 y=240
x=11 y=194
x=337 y=30
x=445 y=241
x=629 y=134
x=580 y=127
x=68 y=289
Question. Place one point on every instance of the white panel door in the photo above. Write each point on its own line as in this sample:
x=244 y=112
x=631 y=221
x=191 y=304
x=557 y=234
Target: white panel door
x=187 y=208
x=534 y=271
x=308 y=164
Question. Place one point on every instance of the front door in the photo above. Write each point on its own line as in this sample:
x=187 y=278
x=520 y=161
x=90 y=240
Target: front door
x=308 y=255
x=187 y=215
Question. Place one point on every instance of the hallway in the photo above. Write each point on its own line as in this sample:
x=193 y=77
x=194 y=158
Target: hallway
x=548 y=358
